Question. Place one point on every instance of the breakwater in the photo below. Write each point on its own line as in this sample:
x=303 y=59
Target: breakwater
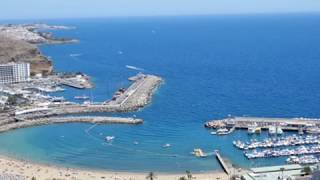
x=137 y=95
x=81 y=119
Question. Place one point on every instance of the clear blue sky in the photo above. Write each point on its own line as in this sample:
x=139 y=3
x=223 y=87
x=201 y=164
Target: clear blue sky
x=39 y=9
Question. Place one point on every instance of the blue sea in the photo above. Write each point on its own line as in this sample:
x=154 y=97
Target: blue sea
x=213 y=66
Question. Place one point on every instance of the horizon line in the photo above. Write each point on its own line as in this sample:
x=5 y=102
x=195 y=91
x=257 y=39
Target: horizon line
x=167 y=15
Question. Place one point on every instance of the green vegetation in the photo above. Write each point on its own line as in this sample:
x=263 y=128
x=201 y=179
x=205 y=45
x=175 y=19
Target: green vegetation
x=307 y=170
x=12 y=100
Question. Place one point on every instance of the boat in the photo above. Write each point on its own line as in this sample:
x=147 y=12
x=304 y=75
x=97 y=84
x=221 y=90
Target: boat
x=198 y=153
x=109 y=138
x=82 y=97
x=272 y=130
x=313 y=130
x=213 y=133
x=135 y=142
x=166 y=145
x=254 y=129
x=221 y=131
x=57 y=99
x=279 y=130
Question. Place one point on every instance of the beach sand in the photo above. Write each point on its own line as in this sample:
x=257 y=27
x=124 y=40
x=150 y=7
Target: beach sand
x=26 y=170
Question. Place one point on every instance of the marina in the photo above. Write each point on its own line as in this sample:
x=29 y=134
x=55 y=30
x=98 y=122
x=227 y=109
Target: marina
x=301 y=144
x=267 y=153
x=274 y=142
x=303 y=160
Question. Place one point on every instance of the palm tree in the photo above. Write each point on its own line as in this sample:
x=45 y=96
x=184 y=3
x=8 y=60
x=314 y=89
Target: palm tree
x=189 y=175
x=282 y=169
x=151 y=176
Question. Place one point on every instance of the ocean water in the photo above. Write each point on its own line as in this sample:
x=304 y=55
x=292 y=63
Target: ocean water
x=212 y=66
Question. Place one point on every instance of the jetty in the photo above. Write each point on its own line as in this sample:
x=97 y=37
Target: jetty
x=289 y=124
x=23 y=123
x=223 y=164
x=137 y=95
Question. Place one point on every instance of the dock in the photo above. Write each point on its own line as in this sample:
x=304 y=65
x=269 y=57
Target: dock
x=223 y=164
x=137 y=95
x=289 y=124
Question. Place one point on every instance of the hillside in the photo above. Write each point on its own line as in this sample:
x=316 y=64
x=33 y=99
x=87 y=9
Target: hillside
x=12 y=50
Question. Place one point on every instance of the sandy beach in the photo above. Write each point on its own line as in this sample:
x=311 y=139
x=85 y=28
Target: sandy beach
x=20 y=169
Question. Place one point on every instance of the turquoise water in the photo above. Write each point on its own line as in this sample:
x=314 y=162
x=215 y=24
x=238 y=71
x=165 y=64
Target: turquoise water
x=212 y=66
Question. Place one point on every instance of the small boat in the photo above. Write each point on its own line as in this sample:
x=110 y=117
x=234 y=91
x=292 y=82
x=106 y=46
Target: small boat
x=221 y=131
x=198 y=153
x=109 y=138
x=82 y=97
x=254 y=129
x=166 y=145
x=135 y=142
x=272 y=130
x=314 y=130
x=279 y=130
x=57 y=99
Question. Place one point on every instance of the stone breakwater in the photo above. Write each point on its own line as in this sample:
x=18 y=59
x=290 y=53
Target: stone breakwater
x=80 y=119
x=137 y=95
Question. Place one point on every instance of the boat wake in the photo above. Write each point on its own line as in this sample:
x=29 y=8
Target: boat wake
x=75 y=55
x=134 y=68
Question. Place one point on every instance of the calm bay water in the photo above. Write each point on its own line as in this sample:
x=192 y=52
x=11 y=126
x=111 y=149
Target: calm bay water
x=212 y=66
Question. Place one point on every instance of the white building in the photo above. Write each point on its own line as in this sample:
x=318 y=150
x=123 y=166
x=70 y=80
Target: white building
x=14 y=72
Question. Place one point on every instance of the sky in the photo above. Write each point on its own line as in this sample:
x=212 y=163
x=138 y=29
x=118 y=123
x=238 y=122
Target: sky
x=44 y=9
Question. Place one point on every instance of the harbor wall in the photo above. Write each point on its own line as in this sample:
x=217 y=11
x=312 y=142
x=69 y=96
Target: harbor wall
x=80 y=119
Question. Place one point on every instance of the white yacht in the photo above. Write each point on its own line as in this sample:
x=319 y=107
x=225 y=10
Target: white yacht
x=254 y=129
x=109 y=138
x=279 y=130
x=272 y=130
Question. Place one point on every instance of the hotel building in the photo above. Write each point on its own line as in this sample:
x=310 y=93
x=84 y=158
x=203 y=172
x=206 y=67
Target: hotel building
x=14 y=72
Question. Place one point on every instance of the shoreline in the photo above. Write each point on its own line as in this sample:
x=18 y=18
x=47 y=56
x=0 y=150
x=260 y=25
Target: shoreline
x=12 y=167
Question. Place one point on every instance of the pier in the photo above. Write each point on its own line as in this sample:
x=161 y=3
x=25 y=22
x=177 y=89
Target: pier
x=222 y=163
x=22 y=123
x=289 y=124
x=137 y=95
